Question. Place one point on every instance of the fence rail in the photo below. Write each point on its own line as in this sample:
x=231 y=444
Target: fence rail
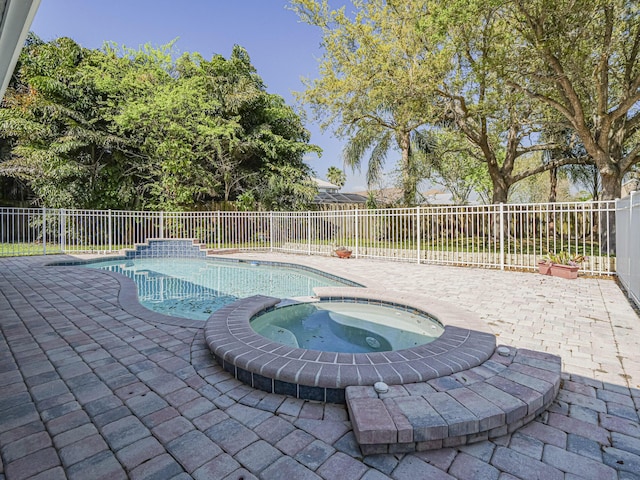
x=505 y=236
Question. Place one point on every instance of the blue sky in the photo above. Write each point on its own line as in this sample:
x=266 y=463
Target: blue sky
x=282 y=49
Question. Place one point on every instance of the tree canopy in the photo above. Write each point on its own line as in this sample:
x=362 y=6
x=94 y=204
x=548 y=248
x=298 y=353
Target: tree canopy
x=125 y=128
x=502 y=126
x=494 y=75
x=376 y=81
x=468 y=93
x=336 y=176
x=582 y=59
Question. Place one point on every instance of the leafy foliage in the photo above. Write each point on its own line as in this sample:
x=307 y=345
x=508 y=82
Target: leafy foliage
x=496 y=74
x=336 y=176
x=376 y=83
x=582 y=60
x=451 y=162
x=124 y=128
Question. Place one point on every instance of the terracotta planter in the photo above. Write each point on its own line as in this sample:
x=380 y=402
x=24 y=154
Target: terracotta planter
x=343 y=253
x=544 y=268
x=564 y=271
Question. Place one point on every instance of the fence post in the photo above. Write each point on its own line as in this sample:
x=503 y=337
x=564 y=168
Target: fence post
x=634 y=263
x=418 y=234
x=502 y=236
x=218 y=228
x=271 y=231
x=44 y=230
x=609 y=249
x=161 y=225
x=110 y=232
x=62 y=230
x=357 y=222
x=309 y=233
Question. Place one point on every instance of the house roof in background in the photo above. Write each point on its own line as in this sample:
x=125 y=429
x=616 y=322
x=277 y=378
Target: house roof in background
x=337 y=197
x=324 y=185
x=328 y=193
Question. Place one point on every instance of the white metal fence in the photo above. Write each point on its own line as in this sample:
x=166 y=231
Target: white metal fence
x=496 y=236
x=628 y=253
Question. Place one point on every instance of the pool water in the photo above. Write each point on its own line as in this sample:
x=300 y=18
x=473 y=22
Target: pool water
x=347 y=327
x=195 y=288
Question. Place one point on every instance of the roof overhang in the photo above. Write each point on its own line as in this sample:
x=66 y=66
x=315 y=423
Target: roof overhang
x=15 y=21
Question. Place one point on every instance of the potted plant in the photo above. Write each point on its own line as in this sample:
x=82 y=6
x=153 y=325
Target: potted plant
x=564 y=264
x=342 y=252
x=544 y=267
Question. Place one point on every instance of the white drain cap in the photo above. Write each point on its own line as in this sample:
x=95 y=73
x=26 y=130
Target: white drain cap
x=381 y=387
x=503 y=351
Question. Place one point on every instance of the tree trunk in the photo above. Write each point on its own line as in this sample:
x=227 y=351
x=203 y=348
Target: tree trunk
x=500 y=188
x=553 y=185
x=498 y=179
x=611 y=190
x=408 y=178
x=500 y=195
x=611 y=184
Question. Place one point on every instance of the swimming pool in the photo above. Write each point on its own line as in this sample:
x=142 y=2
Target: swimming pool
x=195 y=288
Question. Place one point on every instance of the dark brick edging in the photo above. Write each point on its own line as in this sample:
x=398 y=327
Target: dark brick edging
x=314 y=375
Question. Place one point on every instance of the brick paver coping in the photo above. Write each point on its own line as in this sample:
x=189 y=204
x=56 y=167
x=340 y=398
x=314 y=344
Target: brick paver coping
x=323 y=376
x=481 y=403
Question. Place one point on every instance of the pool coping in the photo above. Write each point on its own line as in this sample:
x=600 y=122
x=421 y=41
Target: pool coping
x=323 y=376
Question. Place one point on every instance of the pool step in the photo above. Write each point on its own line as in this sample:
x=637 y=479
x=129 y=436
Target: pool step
x=484 y=402
x=167 y=247
x=175 y=247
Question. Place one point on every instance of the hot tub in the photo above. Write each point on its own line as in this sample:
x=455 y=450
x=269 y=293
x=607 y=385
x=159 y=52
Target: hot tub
x=323 y=375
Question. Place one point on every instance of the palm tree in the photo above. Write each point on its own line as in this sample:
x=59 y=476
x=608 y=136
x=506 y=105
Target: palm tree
x=376 y=140
x=336 y=176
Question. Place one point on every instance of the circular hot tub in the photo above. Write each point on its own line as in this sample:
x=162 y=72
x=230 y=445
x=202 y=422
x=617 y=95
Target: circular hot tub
x=347 y=327
x=284 y=368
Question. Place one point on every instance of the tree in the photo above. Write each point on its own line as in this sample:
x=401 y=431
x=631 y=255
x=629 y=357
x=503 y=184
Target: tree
x=568 y=145
x=285 y=187
x=62 y=147
x=392 y=67
x=125 y=128
x=536 y=188
x=215 y=132
x=336 y=176
x=582 y=59
x=588 y=177
x=501 y=124
x=376 y=78
x=449 y=161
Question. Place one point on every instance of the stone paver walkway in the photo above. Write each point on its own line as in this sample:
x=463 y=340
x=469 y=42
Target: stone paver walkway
x=91 y=390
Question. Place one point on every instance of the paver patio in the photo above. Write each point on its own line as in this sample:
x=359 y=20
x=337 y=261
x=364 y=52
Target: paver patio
x=89 y=389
